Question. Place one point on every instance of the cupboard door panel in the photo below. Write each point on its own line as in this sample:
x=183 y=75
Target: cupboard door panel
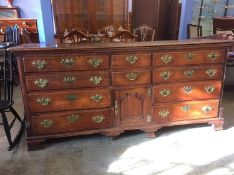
x=133 y=106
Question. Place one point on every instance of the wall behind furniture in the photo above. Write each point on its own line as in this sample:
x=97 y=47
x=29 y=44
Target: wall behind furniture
x=186 y=17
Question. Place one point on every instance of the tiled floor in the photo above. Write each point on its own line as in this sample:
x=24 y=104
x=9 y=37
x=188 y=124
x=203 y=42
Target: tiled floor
x=183 y=150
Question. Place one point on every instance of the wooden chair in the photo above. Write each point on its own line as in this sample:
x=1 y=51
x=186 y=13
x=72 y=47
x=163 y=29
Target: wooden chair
x=8 y=37
x=224 y=31
x=74 y=37
x=108 y=30
x=25 y=36
x=145 y=33
x=6 y=106
x=194 y=31
x=123 y=36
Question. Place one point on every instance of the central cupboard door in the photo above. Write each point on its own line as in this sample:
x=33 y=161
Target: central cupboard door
x=133 y=106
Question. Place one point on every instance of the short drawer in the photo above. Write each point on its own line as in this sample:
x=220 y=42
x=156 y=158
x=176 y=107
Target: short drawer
x=188 y=57
x=186 y=91
x=169 y=74
x=64 y=63
x=131 y=77
x=131 y=61
x=67 y=80
x=69 y=100
x=174 y=112
x=73 y=121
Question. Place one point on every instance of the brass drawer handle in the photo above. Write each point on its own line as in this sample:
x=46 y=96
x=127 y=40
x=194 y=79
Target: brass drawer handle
x=41 y=83
x=95 y=62
x=211 y=72
x=73 y=118
x=96 y=79
x=188 y=89
x=210 y=89
x=39 y=64
x=132 y=59
x=189 y=73
x=164 y=113
x=165 y=92
x=167 y=59
x=132 y=76
x=213 y=56
x=207 y=109
x=190 y=56
x=96 y=98
x=67 y=61
x=71 y=97
x=47 y=123
x=186 y=108
x=69 y=79
x=165 y=75
x=98 y=118
x=44 y=101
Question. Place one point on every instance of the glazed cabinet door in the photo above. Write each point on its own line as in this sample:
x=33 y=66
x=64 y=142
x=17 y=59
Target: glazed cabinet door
x=133 y=106
x=101 y=14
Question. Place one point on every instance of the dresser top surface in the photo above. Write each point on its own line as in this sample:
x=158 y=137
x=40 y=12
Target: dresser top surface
x=113 y=46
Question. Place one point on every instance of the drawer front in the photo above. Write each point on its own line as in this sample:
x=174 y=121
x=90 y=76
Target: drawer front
x=186 y=111
x=67 y=80
x=130 y=61
x=131 y=77
x=169 y=74
x=69 y=100
x=64 y=63
x=191 y=57
x=187 y=91
x=72 y=121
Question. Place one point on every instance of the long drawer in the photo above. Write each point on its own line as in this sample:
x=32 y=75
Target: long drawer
x=186 y=91
x=67 y=80
x=131 y=77
x=188 y=58
x=166 y=113
x=168 y=74
x=131 y=61
x=65 y=62
x=72 y=121
x=69 y=100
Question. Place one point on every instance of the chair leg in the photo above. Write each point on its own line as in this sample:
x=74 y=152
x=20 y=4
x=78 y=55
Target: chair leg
x=6 y=128
x=16 y=114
